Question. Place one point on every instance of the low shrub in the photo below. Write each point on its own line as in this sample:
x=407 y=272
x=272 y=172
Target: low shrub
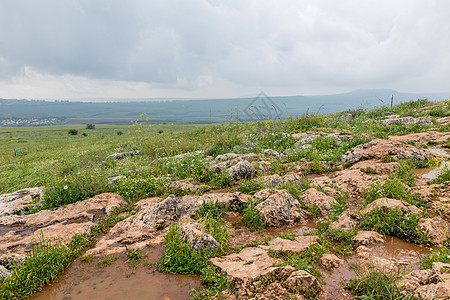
x=395 y=222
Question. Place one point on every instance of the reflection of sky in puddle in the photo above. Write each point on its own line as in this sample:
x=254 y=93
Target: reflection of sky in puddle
x=432 y=173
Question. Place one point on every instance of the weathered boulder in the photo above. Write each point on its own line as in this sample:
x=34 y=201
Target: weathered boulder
x=331 y=261
x=188 y=204
x=271 y=180
x=120 y=155
x=379 y=148
x=299 y=244
x=280 y=208
x=368 y=238
x=319 y=200
x=351 y=181
x=160 y=214
x=194 y=234
x=187 y=185
x=346 y=221
x=375 y=166
x=427 y=284
x=436 y=229
x=241 y=170
x=20 y=201
x=397 y=120
x=58 y=225
x=368 y=259
x=273 y=153
x=303 y=281
x=249 y=264
x=387 y=203
x=423 y=138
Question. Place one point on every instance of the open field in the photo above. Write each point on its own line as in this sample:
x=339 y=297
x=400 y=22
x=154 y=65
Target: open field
x=329 y=198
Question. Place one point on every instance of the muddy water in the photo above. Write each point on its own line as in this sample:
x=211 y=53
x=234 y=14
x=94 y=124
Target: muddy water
x=84 y=280
x=393 y=248
x=432 y=173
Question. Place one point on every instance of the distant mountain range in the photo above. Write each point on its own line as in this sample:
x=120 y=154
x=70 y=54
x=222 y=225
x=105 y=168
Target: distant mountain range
x=119 y=111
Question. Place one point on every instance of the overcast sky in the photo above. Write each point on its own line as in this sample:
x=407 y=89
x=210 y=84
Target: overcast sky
x=199 y=48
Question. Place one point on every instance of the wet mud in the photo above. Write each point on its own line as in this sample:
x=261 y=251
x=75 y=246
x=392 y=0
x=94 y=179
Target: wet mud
x=86 y=280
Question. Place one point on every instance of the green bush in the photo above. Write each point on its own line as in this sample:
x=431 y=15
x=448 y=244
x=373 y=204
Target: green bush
x=395 y=222
x=178 y=257
x=73 y=132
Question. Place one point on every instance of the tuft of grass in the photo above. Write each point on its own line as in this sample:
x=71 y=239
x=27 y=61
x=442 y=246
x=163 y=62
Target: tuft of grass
x=441 y=255
x=251 y=186
x=214 y=282
x=252 y=217
x=178 y=257
x=395 y=222
x=372 y=283
x=134 y=256
x=107 y=260
x=335 y=240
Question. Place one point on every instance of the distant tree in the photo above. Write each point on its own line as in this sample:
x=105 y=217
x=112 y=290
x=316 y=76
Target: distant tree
x=119 y=132
x=73 y=132
x=90 y=126
x=84 y=134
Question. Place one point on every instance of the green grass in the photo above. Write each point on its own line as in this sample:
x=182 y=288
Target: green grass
x=395 y=222
x=252 y=217
x=372 y=283
x=440 y=255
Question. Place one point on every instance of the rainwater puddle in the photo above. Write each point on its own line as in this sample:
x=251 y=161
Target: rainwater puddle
x=393 y=248
x=83 y=280
x=432 y=173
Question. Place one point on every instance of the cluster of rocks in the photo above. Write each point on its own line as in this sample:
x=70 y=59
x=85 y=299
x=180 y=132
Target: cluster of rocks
x=20 y=201
x=240 y=166
x=397 y=120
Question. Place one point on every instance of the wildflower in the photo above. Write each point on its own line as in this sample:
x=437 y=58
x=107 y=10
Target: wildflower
x=66 y=187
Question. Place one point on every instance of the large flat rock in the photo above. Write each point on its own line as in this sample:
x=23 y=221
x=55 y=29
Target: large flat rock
x=300 y=243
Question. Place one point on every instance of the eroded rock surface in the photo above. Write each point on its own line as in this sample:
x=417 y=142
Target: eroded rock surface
x=186 y=185
x=436 y=229
x=319 y=200
x=279 y=207
x=299 y=244
x=331 y=261
x=379 y=148
x=347 y=220
x=58 y=225
x=20 y=201
x=387 y=203
x=249 y=264
x=368 y=238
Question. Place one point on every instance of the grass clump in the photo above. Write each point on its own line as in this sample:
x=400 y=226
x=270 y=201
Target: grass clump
x=214 y=283
x=251 y=186
x=372 y=283
x=395 y=222
x=441 y=255
x=178 y=256
x=335 y=240
x=134 y=256
x=252 y=217
x=107 y=260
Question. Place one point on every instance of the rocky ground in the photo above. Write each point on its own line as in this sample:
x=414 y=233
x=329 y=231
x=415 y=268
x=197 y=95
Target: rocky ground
x=302 y=225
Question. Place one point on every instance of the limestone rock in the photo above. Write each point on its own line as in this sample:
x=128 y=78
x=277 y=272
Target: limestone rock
x=436 y=229
x=423 y=138
x=368 y=238
x=187 y=185
x=299 y=244
x=375 y=166
x=346 y=221
x=379 y=148
x=351 y=181
x=194 y=234
x=248 y=264
x=396 y=120
x=273 y=153
x=271 y=180
x=120 y=155
x=160 y=214
x=19 y=201
x=241 y=170
x=58 y=225
x=387 y=203
x=302 y=280
x=331 y=261
x=281 y=208
x=322 y=201
x=4 y=272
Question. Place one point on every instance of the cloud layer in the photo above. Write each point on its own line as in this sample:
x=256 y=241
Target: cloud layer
x=200 y=48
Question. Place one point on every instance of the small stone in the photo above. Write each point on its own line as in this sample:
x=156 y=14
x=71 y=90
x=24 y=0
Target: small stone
x=368 y=238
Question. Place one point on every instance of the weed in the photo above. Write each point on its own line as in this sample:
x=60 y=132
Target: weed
x=392 y=188
x=213 y=209
x=335 y=240
x=107 y=260
x=252 y=217
x=134 y=255
x=87 y=258
x=178 y=257
x=251 y=186
x=441 y=255
x=372 y=283
x=395 y=222
x=214 y=281
x=213 y=226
